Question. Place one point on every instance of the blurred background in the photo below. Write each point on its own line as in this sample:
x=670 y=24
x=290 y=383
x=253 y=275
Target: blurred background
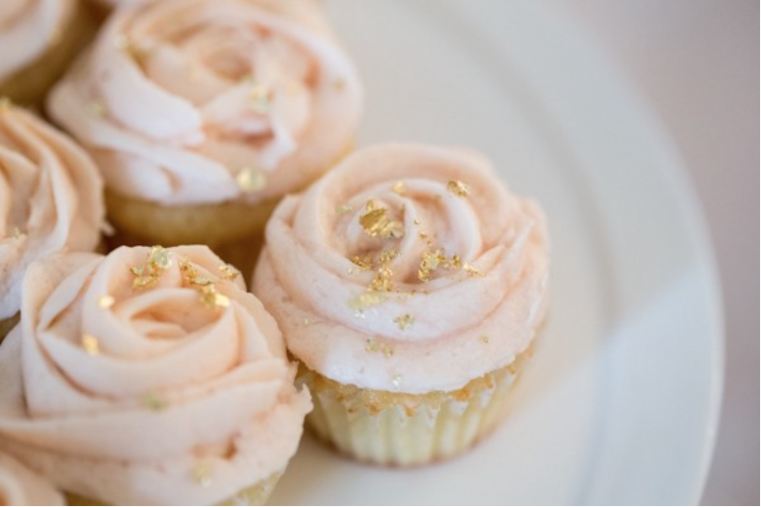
x=697 y=63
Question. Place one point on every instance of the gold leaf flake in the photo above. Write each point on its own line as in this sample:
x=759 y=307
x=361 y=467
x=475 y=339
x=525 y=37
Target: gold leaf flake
x=373 y=221
x=458 y=188
x=397 y=380
x=364 y=262
x=344 y=209
x=399 y=188
x=382 y=280
x=471 y=271
x=366 y=300
x=154 y=402
x=229 y=272
x=250 y=180
x=202 y=474
x=260 y=99
x=404 y=321
x=484 y=339
x=91 y=345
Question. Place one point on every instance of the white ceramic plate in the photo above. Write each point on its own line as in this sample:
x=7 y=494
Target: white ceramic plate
x=621 y=402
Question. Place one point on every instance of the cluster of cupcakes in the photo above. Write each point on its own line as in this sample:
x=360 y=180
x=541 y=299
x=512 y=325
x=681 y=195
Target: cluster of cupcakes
x=202 y=264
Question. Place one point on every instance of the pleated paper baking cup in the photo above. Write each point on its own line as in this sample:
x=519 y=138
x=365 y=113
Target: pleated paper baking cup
x=398 y=429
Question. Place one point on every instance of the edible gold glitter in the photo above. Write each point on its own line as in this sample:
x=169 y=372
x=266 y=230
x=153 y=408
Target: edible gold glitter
x=366 y=300
x=397 y=380
x=458 y=188
x=105 y=302
x=484 y=339
x=307 y=321
x=91 y=345
x=5 y=104
x=373 y=221
x=97 y=108
x=404 y=321
x=382 y=280
x=202 y=474
x=147 y=275
x=429 y=262
x=399 y=188
x=213 y=299
x=416 y=222
x=387 y=256
x=250 y=180
x=229 y=272
x=471 y=271
x=456 y=261
x=260 y=99
x=344 y=209
x=373 y=347
x=365 y=261
x=154 y=402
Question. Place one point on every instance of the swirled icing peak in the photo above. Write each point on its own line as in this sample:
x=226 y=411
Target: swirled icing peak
x=147 y=376
x=50 y=198
x=204 y=101
x=407 y=268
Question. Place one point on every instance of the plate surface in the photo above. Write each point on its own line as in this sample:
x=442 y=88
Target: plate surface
x=621 y=402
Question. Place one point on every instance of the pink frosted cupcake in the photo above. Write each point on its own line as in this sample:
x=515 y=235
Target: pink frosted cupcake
x=411 y=284
x=21 y=486
x=50 y=200
x=148 y=377
x=202 y=114
x=38 y=40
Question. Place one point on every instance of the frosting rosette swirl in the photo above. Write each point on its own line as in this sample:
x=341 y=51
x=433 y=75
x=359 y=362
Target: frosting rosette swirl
x=147 y=377
x=27 y=29
x=21 y=486
x=408 y=268
x=50 y=199
x=207 y=101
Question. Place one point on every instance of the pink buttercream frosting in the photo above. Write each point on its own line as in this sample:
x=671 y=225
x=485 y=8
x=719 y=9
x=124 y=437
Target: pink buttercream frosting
x=21 y=486
x=27 y=29
x=402 y=325
x=205 y=101
x=147 y=394
x=50 y=199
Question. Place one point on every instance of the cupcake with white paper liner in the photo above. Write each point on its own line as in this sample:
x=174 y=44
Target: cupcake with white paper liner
x=202 y=114
x=51 y=200
x=411 y=284
x=148 y=376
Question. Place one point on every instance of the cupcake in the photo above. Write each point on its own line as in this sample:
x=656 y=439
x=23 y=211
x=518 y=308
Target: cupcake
x=148 y=377
x=202 y=114
x=21 y=486
x=410 y=284
x=38 y=40
x=51 y=199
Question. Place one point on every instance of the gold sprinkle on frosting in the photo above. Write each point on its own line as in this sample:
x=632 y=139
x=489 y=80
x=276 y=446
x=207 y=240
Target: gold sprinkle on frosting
x=471 y=271
x=154 y=402
x=344 y=209
x=91 y=345
x=375 y=222
x=106 y=302
x=250 y=180
x=365 y=262
x=484 y=339
x=363 y=301
x=229 y=272
x=202 y=474
x=404 y=321
x=399 y=188
x=147 y=276
x=373 y=347
x=382 y=280
x=458 y=188
x=397 y=380
x=260 y=99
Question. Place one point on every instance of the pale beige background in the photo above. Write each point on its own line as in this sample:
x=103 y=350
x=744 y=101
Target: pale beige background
x=697 y=61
